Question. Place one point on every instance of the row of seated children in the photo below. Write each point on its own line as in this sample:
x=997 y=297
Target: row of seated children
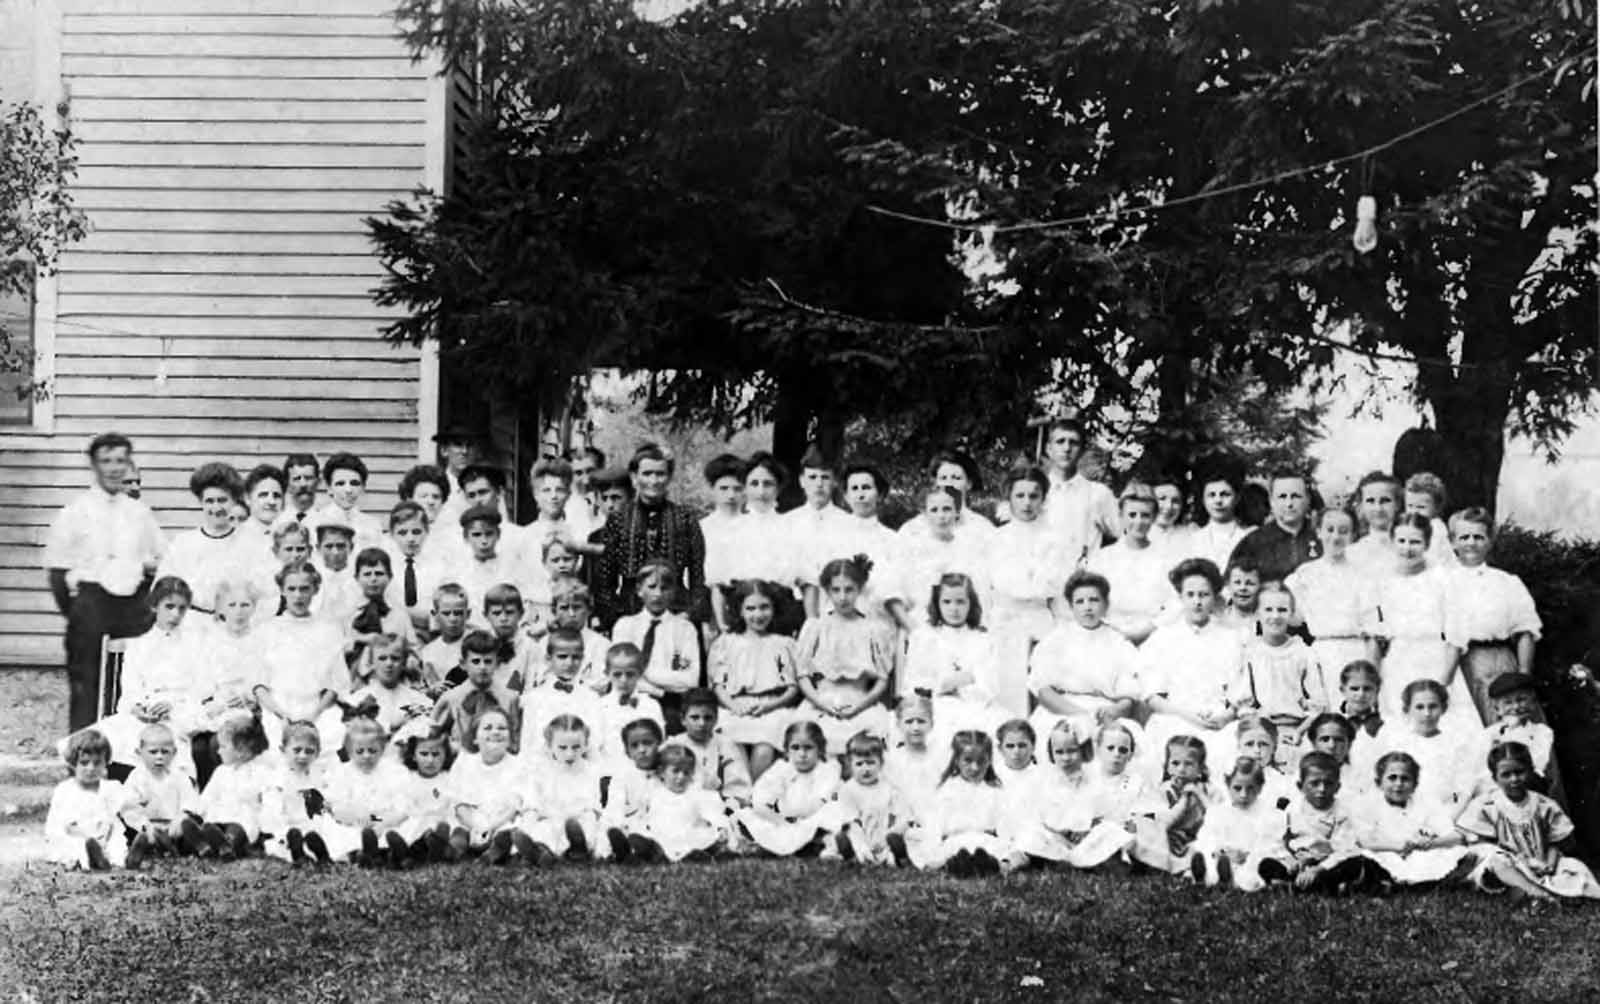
x=964 y=811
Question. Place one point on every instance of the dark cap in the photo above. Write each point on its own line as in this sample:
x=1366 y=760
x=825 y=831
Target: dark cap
x=1510 y=683
x=459 y=434
x=480 y=514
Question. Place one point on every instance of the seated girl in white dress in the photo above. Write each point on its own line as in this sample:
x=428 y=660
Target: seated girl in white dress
x=847 y=660
x=952 y=659
x=1086 y=667
x=754 y=674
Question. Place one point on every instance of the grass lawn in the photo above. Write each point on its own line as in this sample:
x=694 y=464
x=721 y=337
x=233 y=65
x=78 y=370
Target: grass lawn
x=759 y=931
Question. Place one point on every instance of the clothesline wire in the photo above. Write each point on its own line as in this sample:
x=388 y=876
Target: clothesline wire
x=1213 y=193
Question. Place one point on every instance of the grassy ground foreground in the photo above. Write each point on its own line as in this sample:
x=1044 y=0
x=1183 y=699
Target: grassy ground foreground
x=759 y=931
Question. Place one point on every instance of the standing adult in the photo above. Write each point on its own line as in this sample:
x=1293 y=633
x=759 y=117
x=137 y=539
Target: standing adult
x=651 y=528
x=263 y=493
x=1082 y=512
x=101 y=554
x=1287 y=540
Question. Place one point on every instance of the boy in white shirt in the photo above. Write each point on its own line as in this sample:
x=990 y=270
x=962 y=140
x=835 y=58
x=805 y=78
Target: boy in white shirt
x=560 y=693
x=668 y=643
x=441 y=657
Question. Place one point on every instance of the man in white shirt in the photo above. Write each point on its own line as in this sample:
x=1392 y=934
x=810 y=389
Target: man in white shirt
x=101 y=552
x=1083 y=512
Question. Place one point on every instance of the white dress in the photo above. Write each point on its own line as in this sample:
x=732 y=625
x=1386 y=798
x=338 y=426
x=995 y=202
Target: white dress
x=1409 y=611
x=1248 y=836
x=814 y=538
x=1058 y=821
x=758 y=547
x=485 y=798
x=78 y=815
x=284 y=808
x=554 y=793
x=924 y=559
x=963 y=817
x=804 y=802
x=917 y=775
x=933 y=658
x=1378 y=822
x=682 y=822
x=749 y=670
x=427 y=805
x=1329 y=597
x=237 y=793
x=1448 y=767
x=875 y=811
x=1140 y=589
x=1089 y=668
x=1026 y=567
x=205 y=562
x=158 y=666
x=1194 y=668
x=304 y=656
x=362 y=799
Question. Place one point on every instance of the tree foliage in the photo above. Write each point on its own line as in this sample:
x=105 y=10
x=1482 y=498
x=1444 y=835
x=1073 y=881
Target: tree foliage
x=776 y=202
x=37 y=215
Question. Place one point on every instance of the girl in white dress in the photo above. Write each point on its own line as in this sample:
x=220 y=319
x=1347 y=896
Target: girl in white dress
x=1061 y=824
x=561 y=798
x=1216 y=537
x=1405 y=626
x=1328 y=596
x=159 y=672
x=679 y=821
x=1170 y=533
x=232 y=659
x=1084 y=667
x=1186 y=668
x=1257 y=738
x=961 y=831
x=952 y=658
x=232 y=805
x=792 y=807
x=847 y=660
x=428 y=755
x=1016 y=768
x=914 y=766
x=296 y=814
x=1414 y=840
x=1444 y=752
x=755 y=675
x=485 y=792
x=305 y=668
x=1026 y=566
x=957 y=474
x=1490 y=617
x=1137 y=569
x=725 y=477
x=1239 y=832
x=1377 y=505
x=756 y=546
x=865 y=488
x=368 y=792
x=935 y=548
x=82 y=828
x=874 y=811
x=1120 y=786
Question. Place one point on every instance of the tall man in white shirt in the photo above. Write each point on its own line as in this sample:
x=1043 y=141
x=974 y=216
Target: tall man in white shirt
x=101 y=552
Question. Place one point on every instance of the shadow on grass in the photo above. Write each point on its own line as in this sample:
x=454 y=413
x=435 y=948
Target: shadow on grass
x=759 y=931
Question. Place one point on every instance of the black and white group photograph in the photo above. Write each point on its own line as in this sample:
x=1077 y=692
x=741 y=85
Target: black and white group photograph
x=799 y=500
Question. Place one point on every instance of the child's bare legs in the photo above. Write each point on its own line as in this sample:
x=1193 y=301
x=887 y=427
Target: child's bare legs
x=758 y=756
x=1512 y=877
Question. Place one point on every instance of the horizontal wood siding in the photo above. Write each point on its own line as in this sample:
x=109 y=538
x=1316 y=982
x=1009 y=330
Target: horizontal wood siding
x=221 y=307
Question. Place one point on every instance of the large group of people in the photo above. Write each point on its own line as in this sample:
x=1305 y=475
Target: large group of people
x=1336 y=699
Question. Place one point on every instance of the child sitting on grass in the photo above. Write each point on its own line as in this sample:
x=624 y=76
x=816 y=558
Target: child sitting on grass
x=1413 y=840
x=367 y=792
x=485 y=793
x=1061 y=825
x=679 y=821
x=1165 y=837
x=627 y=790
x=298 y=816
x=1527 y=830
x=561 y=798
x=961 y=831
x=871 y=809
x=1240 y=832
x=159 y=798
x=231 y=807
x=426 y=752
x=1319 y=852
x=792 y=807
x=719 y=763
x=82 y=828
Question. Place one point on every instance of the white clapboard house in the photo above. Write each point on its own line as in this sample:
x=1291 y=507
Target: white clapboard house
x=220 y=308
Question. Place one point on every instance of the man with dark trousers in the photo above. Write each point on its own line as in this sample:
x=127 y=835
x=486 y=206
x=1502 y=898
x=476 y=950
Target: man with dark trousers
x=101 y=553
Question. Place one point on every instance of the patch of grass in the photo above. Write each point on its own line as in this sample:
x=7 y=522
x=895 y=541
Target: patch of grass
x=759 y=931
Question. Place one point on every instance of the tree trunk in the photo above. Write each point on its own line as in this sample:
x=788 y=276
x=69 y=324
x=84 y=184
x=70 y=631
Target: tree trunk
x=1470 y=412
x=791 y=427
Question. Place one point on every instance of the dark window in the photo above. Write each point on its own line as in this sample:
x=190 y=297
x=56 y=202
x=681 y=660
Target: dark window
x=16 y=358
